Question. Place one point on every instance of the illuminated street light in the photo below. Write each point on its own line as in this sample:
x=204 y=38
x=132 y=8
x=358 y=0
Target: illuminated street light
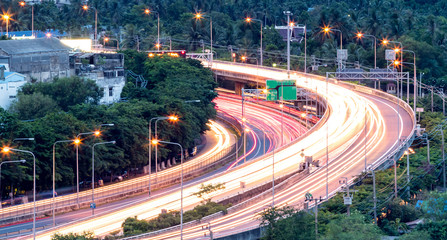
x=23 y=4
x=106 y=39
x=248 y=20
x=54 y=174
x=8 y=150
x=6 y=18
x=86 y=8
x=147 y=12
x=170 y=118
x=360 y=35
x=327 y=30
x=77 y=141
x=156 y=142
x=198 y=16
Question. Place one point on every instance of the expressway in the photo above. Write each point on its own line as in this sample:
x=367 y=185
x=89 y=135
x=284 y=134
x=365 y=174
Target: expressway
x=349 y=149
x=340 y=137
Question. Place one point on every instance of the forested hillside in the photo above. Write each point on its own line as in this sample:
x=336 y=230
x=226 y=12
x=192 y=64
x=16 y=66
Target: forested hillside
x=421 y=26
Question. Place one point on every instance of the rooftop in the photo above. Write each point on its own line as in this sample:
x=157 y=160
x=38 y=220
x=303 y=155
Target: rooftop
x=32 y=46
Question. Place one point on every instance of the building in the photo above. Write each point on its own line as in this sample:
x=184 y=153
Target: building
x=106 y=69
x=10 y=82
x=58 y=2
x=38 y=59
x=37 y=34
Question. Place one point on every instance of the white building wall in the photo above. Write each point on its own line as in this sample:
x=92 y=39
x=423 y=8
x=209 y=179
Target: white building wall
x=8 y=92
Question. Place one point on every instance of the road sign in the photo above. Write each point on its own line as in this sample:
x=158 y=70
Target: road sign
x=276 y=89
x=419 y=109
x=93 y=205
x=342 y=54
x=390 y=55
x=347 y=200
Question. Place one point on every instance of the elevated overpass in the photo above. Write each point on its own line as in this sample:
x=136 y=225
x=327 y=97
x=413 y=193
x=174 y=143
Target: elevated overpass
x=361 y=126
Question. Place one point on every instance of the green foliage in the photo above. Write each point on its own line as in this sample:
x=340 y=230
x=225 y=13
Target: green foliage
x=35 y=105
x=435 y=206
x=133 y=226
x=352 y=227
x=74 y=236
x=61 y=91
x=287 y=223
x=416 y=235
x=206 y=190
x=437 y=230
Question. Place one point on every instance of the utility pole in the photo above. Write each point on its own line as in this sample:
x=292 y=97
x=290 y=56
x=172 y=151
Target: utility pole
x=374 y=195
x=288 y=13
x=408 y=174
x=443 y=157
x=432 y=99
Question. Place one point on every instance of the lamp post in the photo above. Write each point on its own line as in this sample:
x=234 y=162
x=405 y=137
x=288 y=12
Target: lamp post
x=7 y=150
x=415 y=81
x=171 y=118
x=360 y=35
x=327 y=30
x=86 y=7
x=92 y=205
x=54 y=173
x=1 y=190
x=77 y=141
x=147 y=11
x=288 y=13
x=23 y=4
x=244 y=59
x=150 y=148
x=6 y=18
x=106 y=39
x=155 y=142
x=248 y=19
x=198 y=16
x=385 y=42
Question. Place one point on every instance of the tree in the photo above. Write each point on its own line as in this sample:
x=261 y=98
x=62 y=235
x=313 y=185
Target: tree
x=287 y=223
x=35 y=105
x=206 y=191
x=74 y=236
x=352 y=227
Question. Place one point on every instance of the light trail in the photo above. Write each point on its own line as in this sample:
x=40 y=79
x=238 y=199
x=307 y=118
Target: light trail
x=346 y=157
x=223 y=142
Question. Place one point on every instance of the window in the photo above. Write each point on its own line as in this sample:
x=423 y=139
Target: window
x=12 y=97
x=110 y=91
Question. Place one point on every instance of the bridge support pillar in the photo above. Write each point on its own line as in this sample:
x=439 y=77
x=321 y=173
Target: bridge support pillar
x=238 y=87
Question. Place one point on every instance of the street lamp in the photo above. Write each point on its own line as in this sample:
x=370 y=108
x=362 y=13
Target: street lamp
x=23 y=4
x=6 y=18
x=244 y=59
x=7 y=150
x=156 y=142
x=106 y=39
x=288 y=13
x=93 y=205
x=327 y=30
x=385 y=42
x=360 y=35
x=198 y=16
x=248 y=20
x=86 y=8
x=54 y=173
x=170 y=118
x=1 y=192
x=147 y=12
x=77 y=141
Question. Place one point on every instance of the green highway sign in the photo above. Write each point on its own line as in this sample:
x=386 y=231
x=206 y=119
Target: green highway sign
x=281 y=88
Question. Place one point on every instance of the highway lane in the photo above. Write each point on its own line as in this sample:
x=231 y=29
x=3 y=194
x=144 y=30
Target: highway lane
x=344 y=131
x=383 y=136
x=152 y=207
